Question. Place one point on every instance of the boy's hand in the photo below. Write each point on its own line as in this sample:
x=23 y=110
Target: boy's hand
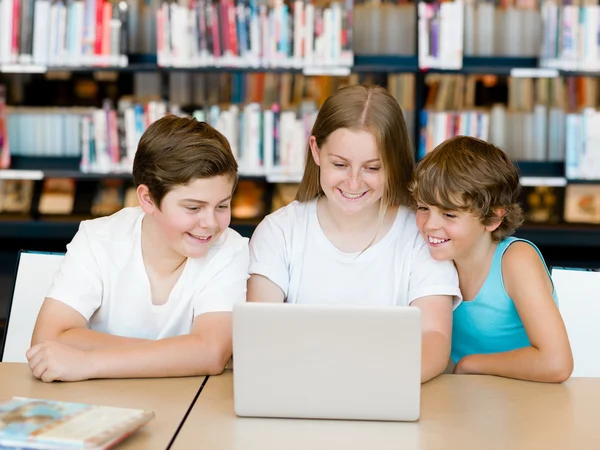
x=52 y=361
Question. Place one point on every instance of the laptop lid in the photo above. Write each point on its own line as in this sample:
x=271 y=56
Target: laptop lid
x=327 y=362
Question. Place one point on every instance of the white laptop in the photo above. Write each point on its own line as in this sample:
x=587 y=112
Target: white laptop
x=327 y=362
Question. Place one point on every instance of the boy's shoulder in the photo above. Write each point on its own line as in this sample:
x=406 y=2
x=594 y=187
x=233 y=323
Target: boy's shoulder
x=231 y=239
x=118 y=226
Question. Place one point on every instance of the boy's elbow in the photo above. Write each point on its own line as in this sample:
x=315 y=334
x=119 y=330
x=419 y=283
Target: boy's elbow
x=560 y=370
x=217 y=360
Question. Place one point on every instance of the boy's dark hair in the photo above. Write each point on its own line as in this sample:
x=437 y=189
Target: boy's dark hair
x=174 y=151
x=469 y=174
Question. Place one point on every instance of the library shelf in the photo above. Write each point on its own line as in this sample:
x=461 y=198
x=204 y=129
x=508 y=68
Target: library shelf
x=64 y=230
x=579 y=236
x=573 y=181
x=582 y=236
x=385 y=63
x=494 y=65
x=541 y=168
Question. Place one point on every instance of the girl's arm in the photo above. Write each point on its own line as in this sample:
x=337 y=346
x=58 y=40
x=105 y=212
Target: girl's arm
x=436 y=325
x=549 y=358
x=261 y=289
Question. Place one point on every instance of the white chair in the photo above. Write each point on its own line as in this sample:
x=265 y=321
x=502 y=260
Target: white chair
x=34 y=274
x=578 y=293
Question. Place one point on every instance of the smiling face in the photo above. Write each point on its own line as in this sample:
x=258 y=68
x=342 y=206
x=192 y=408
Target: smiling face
x=351 y=171
x=452 y=235
x=192 y=217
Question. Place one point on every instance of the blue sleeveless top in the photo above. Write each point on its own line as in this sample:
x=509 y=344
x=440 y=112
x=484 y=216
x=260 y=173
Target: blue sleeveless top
x=490 y=322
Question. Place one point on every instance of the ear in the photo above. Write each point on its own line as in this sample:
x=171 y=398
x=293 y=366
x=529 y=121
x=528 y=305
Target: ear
x=315 y=150
x=499 y=213
x=145 y=199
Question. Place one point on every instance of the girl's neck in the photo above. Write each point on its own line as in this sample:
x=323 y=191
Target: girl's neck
x=157 y=255
x=344 y=223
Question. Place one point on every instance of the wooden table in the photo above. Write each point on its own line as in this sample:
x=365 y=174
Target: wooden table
x=169 y=398
x=458 y=412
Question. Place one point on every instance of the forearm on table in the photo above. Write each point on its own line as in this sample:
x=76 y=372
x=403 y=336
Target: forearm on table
x=86 y=339
x=435 y=351
x=526 y=363
x=171 y=357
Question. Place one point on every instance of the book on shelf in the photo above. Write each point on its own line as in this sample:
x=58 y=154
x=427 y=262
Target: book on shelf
x=251 y=33
x=543 y=204
x=505 y=28
x=440 y=28
x=582 y=203
x=16 y=196
x=50 y=424
x=109 y=198
x=36 y=34
x=58 y=196
x=4 y=143
x=570 y=35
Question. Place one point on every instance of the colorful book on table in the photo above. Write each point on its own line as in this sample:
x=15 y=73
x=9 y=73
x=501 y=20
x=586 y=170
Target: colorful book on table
x=48 y=424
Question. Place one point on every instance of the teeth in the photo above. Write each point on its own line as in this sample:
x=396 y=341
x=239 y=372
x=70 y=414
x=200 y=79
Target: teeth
x=348 y=195
x=203 y=238
x=433 y=240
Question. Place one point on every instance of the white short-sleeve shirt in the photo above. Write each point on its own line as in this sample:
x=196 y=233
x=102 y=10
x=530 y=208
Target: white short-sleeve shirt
x=103 y=277
x=289 y=248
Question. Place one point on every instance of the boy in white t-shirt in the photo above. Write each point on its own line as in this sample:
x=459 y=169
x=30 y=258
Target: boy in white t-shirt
x=148 y=291
x=349 y=238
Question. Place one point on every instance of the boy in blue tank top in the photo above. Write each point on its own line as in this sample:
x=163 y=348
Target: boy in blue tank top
x=466 y=193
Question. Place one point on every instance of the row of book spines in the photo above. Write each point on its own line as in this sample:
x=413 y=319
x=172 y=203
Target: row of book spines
x=583 y=145
x=248 y=33
x=447 y=92
x=80 y=32
x=544 y=135
x=4 y=142
x=265 y=141
x=290 y=90
x=491 y=30
x=440 y=30
x=537 y=136
x=570 y=37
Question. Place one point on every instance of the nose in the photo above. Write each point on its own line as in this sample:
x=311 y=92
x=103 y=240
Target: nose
x=208 y=219
x=354 y=182
x=433 y=222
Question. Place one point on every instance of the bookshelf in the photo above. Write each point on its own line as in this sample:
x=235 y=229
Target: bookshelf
x=571 y=238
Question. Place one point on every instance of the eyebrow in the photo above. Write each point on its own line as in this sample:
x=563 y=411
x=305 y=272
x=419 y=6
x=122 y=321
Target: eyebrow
x=202 y=202
x=366 y=162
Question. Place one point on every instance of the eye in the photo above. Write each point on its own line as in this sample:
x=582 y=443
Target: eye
x=422 y=208
x=192 y=208
x=374 y=168
x=450 y=215
x=223 y=206
x=339 y=165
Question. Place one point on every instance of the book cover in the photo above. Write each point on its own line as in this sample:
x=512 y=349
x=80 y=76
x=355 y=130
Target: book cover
x=58 y=196
x=543 y=204
x=49 y=424
x=582 y=203
x=109 y=198
x=16 y=196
